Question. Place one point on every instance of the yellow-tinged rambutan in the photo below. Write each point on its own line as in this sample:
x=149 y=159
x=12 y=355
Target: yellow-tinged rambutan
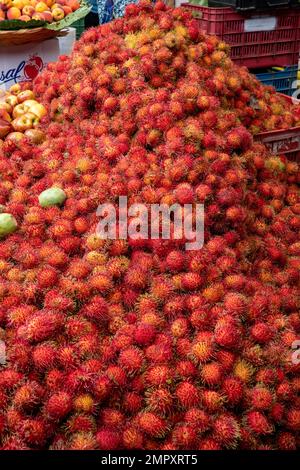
x=243 y=370
x=84 y=403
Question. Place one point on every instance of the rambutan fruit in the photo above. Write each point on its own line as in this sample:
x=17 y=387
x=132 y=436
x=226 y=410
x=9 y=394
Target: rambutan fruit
x=202 y=350
x=179 y=327
x=81 y=423
x=233 y=390
x=293 y=419
x=187 y=395
x=262 y=333
x=191 y=281
x=108 y=439
x=235 y=303
x=54 y=379
x=144 y=334
x=184 y=436
x=258 y=423
x=159 y=375
x=159 y=401
x=44 y=356
x=214 y=293
x=131 y=359
x=212 y=400
x=58 y=406
x=84 y=403
x=226 y=431
x=152 y=425
x=47 y=277
x=41 y=326
x=261 y=398
x=28 y=396
x=132 y=402
x=132 y=438
x=286 y=441
x=211 y=373
x=175 y=261
x=158 y=353
x=102 y=386
x=116 y=375
x=32 y=431
x=198 y=419
x=209 y=444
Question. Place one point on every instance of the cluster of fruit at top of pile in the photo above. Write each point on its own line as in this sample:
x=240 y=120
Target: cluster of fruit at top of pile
x=115 y=344
x=26 y=10
x=20 y=114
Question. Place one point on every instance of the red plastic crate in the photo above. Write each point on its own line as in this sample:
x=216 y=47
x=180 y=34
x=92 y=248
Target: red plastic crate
x=284 y=141
x=258 y=49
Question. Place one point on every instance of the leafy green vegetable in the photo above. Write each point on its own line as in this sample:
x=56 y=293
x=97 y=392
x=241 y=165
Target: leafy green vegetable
x=12 y=25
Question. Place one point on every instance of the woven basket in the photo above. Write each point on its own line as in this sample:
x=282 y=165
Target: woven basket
x=24 y=36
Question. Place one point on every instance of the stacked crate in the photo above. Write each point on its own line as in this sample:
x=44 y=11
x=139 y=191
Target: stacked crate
x=259 y=40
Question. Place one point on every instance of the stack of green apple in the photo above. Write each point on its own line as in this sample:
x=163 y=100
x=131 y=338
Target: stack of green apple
x=20 y=114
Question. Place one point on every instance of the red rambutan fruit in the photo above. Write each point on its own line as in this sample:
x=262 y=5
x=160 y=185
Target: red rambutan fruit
x=152 y=425
x=187 y=395
x=131 y=359
x=132 y=438
x=159 y=375
x=226 y=431
x=58 y=406
x=211 y=373
x=258 y=423
x=261 y=398
x=184 y=436
x=108 y=439
x=159 y=401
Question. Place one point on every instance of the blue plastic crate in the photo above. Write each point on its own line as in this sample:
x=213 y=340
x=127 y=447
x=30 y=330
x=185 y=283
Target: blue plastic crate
x=283 y=81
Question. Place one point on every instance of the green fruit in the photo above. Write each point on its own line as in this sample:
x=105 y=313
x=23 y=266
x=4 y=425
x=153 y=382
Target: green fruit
x=8 y=224
x=52 y=197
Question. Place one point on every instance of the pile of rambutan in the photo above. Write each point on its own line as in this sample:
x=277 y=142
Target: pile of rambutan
x=140 y=344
